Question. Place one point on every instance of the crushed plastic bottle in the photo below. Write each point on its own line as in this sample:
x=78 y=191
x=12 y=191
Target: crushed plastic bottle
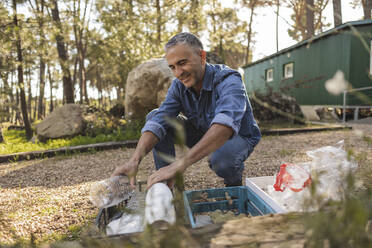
x=111 y=191
x=132 y=220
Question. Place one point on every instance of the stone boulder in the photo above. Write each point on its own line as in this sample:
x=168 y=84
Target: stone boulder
x=276 y=106
x=146 y=88
x=65 y=121
x=74 y=119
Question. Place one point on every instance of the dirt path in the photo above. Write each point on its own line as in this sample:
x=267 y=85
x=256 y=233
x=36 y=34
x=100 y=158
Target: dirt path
x=50 y=197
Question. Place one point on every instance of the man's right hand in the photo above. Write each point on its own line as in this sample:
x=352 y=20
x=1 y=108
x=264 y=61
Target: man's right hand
x=129 y=169
x=146 y=142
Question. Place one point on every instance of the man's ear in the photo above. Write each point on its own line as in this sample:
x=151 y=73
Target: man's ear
x=203 y=56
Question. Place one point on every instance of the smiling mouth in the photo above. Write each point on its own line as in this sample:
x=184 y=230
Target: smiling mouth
x=185 y=78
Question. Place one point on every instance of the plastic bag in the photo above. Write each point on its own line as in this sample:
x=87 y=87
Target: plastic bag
x=127 y=223
x=329 y=165
x=132 y=219
x=292 y=176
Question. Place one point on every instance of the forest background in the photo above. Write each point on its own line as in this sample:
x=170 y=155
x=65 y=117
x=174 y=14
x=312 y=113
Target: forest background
x=86 y=48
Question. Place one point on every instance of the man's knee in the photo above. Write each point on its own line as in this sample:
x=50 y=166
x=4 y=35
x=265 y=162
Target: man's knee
x=225 y=165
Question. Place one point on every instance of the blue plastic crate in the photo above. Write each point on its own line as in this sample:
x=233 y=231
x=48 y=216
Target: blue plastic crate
x=241 y=199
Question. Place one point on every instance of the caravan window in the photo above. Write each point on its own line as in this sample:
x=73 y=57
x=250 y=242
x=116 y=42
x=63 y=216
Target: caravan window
x=288 y=70
x=269 y=75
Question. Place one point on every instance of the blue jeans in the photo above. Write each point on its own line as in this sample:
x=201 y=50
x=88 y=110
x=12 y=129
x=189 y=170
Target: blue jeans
x=227 y=161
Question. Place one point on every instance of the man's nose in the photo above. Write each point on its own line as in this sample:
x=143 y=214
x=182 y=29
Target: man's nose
x=177 y=71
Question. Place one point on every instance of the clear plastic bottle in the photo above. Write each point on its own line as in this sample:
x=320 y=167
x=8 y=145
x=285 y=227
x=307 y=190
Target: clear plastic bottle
x=111 y=191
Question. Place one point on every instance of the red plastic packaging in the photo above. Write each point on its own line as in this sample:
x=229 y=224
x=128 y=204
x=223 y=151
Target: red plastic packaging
x=292 y=176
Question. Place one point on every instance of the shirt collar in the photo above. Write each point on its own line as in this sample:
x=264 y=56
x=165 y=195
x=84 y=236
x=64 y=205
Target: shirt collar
x=207 y=80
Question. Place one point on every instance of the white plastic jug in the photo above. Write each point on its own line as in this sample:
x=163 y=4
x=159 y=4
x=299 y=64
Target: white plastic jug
x=159 y=204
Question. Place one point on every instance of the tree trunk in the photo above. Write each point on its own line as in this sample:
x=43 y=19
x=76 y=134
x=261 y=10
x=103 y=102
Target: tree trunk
x=68 y=89
x=17 y=116
x=7 y=92
x=79 y=27
x=39 y=16
x=74 y=75
x=20 y=75
x=51 y=90
x=119 y=93
x=337 y=14
x=35 y=109
x=41 y=89
x=309 y=18
x=277 y=25
x=85 y=86
x=158 y=23
x=29 y=93
x=249 y=35
x=13 y=106
x=194 y=24
x=367 y=8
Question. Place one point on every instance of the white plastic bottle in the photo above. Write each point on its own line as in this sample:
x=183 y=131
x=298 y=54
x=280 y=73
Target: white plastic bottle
x=159 y=204
x=110 y=192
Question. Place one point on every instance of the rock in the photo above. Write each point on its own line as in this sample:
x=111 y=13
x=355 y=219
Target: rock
x=146 y=87
x=274 y=106
x=118 y=110
x=74 y=119
x=326 y=115
x=65 y=121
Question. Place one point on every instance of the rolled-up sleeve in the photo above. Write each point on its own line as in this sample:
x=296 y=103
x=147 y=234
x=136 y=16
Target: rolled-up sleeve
x=231 y=103
x=170 y=107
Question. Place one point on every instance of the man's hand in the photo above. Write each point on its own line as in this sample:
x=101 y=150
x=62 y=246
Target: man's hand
x=146 y=142
x=129 y=169
x=166 y=173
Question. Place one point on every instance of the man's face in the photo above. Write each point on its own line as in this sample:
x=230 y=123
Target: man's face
x=187 y=65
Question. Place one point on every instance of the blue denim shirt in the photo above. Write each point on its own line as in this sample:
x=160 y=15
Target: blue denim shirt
x=222 y=100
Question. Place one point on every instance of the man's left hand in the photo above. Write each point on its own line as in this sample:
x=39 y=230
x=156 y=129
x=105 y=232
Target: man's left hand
x=166 y=173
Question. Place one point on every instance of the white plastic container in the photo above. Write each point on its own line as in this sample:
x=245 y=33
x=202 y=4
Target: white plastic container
x=159 y=204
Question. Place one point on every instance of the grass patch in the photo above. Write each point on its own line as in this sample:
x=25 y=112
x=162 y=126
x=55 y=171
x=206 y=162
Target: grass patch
x=284 y=152
x=15 y=140
x=368 y=140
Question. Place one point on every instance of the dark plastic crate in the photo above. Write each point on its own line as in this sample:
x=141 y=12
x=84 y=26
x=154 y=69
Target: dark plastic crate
x=241 y=199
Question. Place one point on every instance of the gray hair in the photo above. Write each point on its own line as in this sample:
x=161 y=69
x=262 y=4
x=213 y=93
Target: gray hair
x=185 y=38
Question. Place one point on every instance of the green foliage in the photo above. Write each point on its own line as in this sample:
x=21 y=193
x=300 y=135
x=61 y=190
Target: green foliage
x=341 y=223
x=228 y=34
x=298 y=29
x=15 y=141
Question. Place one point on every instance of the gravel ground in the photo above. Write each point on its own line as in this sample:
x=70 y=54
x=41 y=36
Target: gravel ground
x=50 y=197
